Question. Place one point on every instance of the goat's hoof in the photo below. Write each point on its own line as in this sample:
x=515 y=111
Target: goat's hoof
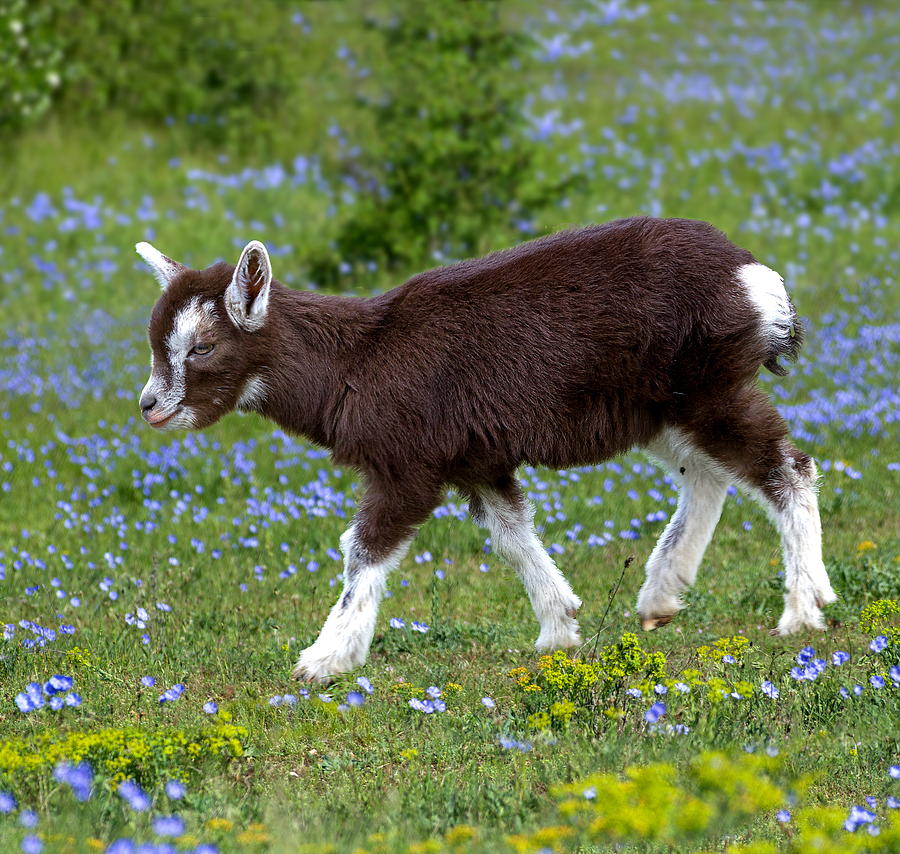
x=302 y=674
x=648 y=624
x=825 y=599
x=317 y=669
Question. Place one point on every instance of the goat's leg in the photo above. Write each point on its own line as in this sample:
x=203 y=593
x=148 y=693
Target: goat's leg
x=505 y=512
x=372 y=546
x=748 y=436
x=673 y=564
x=789 y=493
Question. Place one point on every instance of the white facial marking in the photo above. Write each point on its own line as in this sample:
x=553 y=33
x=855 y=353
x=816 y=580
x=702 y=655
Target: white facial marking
x=765 y=288
x=252 y=395
x=163 y=268
x=346 y=636
x=183 y=338
x=514 y=538
x=179 y=342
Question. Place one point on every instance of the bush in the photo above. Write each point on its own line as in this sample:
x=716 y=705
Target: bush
x=227 y=68
x=31 y=60
x=449 y=161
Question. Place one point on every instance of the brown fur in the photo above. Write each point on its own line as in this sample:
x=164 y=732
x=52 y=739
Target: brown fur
x=563 y=351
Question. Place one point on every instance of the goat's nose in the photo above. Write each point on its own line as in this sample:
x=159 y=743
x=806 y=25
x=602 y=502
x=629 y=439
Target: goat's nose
x=148 y=401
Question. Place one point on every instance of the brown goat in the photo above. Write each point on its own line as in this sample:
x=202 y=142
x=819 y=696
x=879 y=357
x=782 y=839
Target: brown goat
x=560 y=352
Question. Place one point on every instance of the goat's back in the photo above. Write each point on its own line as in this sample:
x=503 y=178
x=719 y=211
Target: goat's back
x=563 y=350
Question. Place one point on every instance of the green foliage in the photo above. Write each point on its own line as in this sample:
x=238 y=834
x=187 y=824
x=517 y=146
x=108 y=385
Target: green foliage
x=881 y=617
x=199 y=61
x=449 y=161
x=31 y=60
x=863 y=579
x=563 y=687
x=716 y=795
x=134 y=753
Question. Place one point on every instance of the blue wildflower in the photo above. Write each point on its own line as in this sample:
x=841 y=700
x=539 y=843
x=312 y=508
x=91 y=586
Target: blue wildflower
x=175 y=789
x=168 y=825
x=508 y=743
x=840 y=657
x=57 y=684
x=172 y=694
x=134 y=795
x=858 y=816
x=654 y=713
x=210 y=707
x=878 y=644
x=806 y=655
x=80 y=777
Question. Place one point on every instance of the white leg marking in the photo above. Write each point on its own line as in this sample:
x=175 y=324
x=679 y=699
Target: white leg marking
x=514 y=538
x=347 y=633
x=805 y=576
x=673 y=564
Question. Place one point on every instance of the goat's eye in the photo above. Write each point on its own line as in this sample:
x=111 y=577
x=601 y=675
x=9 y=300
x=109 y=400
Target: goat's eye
x=202 y=349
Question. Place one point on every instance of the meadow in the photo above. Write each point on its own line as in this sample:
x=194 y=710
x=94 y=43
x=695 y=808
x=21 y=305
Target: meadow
x=156 y=589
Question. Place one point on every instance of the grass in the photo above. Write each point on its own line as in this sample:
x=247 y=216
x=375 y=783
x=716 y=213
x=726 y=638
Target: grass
x=777 y=123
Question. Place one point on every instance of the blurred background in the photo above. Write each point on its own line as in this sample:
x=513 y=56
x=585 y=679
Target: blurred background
x=368 y=139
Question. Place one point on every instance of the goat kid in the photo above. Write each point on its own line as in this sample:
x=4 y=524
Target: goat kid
x=563 y=351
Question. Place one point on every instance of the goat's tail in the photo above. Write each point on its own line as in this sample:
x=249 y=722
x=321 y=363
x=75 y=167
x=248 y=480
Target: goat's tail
x=780 y=327
x=787 y=345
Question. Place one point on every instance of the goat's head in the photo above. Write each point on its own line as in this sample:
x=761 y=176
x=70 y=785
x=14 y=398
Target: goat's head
x=205 y=339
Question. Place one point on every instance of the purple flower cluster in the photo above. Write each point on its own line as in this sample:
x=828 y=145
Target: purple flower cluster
x=54 y=694
x=431 y=703
x=79 y=777
x=170 y=695
x=809 y=667
x=509 y=743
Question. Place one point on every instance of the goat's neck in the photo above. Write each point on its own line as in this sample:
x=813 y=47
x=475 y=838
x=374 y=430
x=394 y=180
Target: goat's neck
x=309 y=355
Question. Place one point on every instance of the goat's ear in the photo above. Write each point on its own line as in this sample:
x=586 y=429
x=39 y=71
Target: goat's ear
x=165 y=269
x=247 y=297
